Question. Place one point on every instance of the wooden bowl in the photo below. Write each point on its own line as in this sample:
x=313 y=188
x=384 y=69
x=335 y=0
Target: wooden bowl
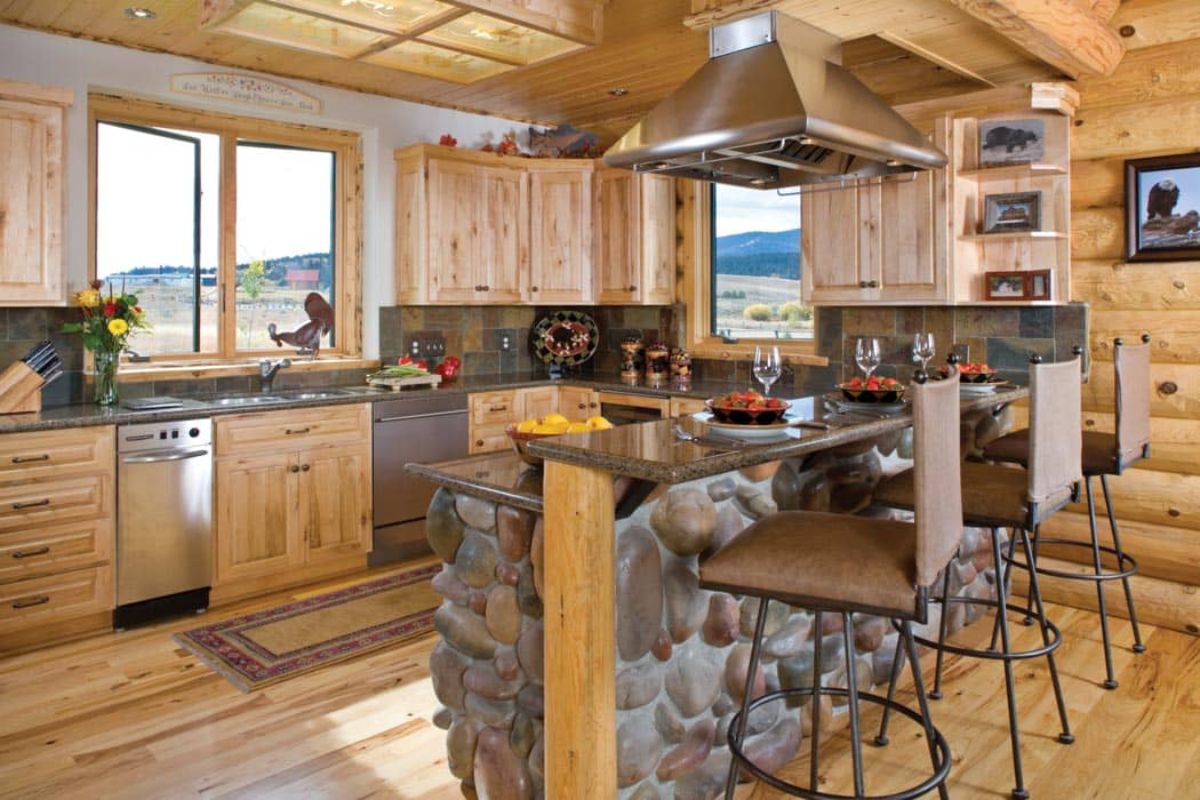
x=520 y=442
x=893 y=394
x=745 y=416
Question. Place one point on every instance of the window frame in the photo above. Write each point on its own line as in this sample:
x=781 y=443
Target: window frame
x=695 y=203
x=347 y=206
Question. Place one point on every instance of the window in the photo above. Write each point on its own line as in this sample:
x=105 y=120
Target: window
x=223 y=225
x=755 y=266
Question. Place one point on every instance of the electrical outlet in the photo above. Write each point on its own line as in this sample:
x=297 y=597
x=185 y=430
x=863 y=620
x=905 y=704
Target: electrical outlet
x=428 y=346
x=505 y=343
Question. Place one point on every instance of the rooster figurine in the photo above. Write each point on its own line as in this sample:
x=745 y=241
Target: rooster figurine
x=307 y=338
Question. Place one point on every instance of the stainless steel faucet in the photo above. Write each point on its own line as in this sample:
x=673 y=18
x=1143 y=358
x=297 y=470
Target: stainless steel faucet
x=267 y=370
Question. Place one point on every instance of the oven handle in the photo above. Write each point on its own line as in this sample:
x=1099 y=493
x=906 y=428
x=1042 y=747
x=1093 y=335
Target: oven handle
x=456 y=412
x=177 y=456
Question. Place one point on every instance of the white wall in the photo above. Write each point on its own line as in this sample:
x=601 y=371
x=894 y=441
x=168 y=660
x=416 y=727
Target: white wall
x=384 y=123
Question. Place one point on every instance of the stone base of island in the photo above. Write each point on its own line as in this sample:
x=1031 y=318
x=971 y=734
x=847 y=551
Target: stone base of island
x=562 y=649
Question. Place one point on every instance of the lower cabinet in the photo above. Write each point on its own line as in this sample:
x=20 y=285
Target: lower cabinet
x=578 y=403
x=285 y=512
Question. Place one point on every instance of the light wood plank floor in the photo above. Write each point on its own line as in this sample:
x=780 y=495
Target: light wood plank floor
x=133 y=716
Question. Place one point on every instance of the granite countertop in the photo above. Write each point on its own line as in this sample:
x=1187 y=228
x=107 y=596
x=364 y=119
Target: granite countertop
x=87 y=414
x=652 y=451
x=501 y=477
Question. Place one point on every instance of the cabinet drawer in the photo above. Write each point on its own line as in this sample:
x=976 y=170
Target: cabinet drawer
x=286 y=431
x=51 y=454
x=38 y=600
x=39 y=503
x=57 y=548
x=495 y=408
x=490 y=439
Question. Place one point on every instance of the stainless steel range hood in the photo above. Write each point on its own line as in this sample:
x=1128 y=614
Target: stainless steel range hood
x=772 y=108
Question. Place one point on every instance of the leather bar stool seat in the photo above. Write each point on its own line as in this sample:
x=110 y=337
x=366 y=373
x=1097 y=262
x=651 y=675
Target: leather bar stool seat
x=1099 y=451
x=811 y=559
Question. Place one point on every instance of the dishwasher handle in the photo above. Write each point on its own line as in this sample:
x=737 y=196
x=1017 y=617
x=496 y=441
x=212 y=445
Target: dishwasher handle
x=405 y=417
x=173 y=456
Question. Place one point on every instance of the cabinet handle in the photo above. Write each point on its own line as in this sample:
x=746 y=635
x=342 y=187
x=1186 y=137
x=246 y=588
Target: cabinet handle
x=41 y=551
x=293 y=468
x=498 y=408
x=305 y=467
x=29 y=459
x=26 y=602
x=295 y=431
x=45 y=501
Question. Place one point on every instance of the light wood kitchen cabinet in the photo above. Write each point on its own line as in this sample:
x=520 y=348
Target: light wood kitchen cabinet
x=505 y=235
x=877 y=241
x=634 y=247
x=293 y=493
x=578 y=403
x=56 y=534
x=456 y=266
x=560 y=215
x=684 y=406
x=540 y=401
x=492 y=412
x=32 y=163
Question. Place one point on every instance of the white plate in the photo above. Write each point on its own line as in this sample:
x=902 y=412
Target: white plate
x=776 y=430
x=981 y=388
x=838 y=403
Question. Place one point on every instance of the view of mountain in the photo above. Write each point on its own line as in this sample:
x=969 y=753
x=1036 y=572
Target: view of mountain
x=763 y=254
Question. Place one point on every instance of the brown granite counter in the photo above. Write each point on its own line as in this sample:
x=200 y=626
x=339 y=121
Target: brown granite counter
x=499 y=477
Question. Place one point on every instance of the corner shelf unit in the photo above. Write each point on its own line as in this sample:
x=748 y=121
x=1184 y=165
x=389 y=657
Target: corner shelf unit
x=976 y=252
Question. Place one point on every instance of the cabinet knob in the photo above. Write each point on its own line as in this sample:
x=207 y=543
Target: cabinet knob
x=294 y=468
x=305 y=467
x=594 y=405
x=862 y=284
x=478 y=287
x=583 y=405
x=873 y=284
x=479 y=442
x=533 y=288
x=632 y=288
x=487 y=288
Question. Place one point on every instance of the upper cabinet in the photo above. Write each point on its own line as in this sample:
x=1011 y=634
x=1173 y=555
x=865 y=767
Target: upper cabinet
x=475 y=228
x=32 y=162
x=635 y=237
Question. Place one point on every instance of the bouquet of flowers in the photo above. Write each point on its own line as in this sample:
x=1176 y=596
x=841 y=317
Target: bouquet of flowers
x=105 y=327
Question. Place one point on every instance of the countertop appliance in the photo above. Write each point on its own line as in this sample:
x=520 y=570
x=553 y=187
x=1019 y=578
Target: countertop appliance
x=772 y=107
x=164 y=519
x=423 y=429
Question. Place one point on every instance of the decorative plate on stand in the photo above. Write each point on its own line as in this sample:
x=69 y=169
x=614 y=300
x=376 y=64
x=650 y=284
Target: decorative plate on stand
x=565 y=338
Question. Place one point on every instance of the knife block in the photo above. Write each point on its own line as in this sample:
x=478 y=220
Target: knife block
x=20 y=390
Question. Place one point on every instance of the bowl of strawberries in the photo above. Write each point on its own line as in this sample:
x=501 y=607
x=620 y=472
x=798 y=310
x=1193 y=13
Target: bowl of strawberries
x=970 y=372
x=872 y=390
x=747 y=408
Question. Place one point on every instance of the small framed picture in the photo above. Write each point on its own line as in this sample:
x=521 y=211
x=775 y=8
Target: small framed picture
x=1003 y=142
x=1161 y=198
x=1018 y=211
x=1023 y=285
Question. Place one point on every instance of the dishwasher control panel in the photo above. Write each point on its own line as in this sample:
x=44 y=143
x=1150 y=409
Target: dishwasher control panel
x=164 y=435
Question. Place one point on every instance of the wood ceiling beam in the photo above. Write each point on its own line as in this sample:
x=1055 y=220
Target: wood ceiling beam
x=1105 y=9
x=1066 y=34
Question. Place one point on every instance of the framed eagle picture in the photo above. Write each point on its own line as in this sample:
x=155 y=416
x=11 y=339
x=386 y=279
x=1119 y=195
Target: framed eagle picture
x=1162 y=208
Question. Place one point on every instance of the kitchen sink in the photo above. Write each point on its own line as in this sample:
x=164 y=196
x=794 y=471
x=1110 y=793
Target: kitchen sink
x=315 y=394
x=248 y=400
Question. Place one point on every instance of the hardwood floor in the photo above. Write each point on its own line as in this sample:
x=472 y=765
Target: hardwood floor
x=133 y=716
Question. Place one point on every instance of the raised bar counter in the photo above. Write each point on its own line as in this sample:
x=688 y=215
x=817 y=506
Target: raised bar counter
x=580 y=658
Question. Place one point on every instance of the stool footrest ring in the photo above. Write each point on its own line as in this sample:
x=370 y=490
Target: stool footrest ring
x=996 y=655
x=935 y=780
x=1128 y=564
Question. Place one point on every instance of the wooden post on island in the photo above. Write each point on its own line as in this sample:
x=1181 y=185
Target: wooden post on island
x=580 y=648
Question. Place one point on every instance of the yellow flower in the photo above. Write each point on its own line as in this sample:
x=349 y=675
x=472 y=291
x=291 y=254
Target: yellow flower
x=118 y=327
x=88 y=298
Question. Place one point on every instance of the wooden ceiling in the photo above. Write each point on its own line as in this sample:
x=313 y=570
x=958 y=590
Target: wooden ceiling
x=905 y=50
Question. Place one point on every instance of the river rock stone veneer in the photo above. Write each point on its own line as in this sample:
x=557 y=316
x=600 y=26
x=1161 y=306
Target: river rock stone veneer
x=682 y=652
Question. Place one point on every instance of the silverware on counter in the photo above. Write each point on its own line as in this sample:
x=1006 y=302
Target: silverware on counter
x=717 y=443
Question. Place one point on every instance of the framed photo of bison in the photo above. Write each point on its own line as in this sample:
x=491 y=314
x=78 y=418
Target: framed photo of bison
x=1004 y=142
x=1162 y=198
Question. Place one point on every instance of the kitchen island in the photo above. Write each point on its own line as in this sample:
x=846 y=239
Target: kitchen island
x=580 y=658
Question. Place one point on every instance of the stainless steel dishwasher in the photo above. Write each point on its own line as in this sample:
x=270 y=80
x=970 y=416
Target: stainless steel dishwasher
x=164 y=519
x=423 y=429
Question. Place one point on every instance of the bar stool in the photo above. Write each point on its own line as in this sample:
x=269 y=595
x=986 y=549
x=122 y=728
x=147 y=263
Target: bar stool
x=844 y=564
x=1103 y=454
x=995 y=497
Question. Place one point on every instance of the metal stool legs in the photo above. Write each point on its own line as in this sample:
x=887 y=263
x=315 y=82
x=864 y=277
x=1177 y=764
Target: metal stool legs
x=1111 y=680
x=1138 y=647
x=939 y=751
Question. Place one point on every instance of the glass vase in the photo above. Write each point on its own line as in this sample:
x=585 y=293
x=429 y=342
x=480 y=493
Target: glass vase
x=104 y=386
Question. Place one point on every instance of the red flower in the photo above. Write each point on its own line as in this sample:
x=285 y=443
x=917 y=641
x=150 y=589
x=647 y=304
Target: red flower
x=110 y=309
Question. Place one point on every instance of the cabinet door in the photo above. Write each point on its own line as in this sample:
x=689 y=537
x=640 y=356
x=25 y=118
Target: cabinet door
x=657 y=284
x=505 y=234
x=911 y=263
x=456 y=267
x=578 y=403
x=616 y=236
x=560 y=247
x=830 y=237
x=335 y=502
x=31 y=196
x=539 y=402
x=257 y=516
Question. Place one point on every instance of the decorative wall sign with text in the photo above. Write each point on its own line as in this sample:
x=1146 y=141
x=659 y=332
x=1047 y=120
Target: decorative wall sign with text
x=245 y=89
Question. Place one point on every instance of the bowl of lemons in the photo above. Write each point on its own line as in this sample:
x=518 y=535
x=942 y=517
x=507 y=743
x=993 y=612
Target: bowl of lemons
x=526 y=431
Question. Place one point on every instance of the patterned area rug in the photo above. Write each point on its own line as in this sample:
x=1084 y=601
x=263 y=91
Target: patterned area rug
x=269 y=646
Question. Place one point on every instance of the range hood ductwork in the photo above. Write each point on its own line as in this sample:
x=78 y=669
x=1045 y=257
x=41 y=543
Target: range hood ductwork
x=772 y=109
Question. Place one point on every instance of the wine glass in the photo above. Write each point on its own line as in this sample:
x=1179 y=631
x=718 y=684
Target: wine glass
x=867 y=355
x=923 y=349
x=767 y=366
